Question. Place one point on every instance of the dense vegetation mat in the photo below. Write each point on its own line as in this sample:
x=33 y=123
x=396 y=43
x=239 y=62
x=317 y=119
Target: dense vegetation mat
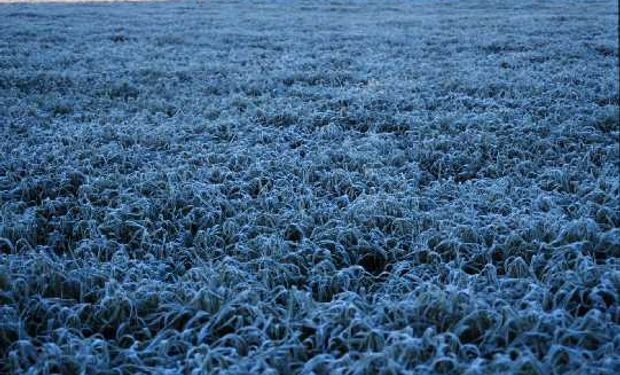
x=310 y=187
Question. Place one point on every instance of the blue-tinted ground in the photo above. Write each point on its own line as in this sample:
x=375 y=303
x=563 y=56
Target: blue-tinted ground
x=298 y=187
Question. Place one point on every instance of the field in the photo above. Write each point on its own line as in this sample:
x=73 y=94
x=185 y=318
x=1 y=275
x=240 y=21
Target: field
x=334 y=187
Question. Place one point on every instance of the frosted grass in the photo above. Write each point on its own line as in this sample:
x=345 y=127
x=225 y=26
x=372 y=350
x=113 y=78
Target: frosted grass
x=375 y=187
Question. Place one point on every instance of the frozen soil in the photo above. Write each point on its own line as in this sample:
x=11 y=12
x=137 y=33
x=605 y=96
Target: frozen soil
x=375 y=187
